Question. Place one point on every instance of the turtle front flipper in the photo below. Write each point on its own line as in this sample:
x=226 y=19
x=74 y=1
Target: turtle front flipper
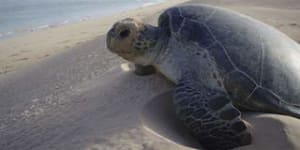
x=210 y=116
x=144 y=70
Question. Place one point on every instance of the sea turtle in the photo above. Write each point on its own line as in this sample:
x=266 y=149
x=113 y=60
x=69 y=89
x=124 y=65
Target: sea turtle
x=221 y=62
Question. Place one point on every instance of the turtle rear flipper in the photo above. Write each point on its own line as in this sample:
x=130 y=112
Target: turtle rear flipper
x=266 y=101
x=210 y=116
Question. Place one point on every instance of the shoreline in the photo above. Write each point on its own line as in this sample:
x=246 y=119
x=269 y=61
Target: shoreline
x=24 y=50
x=34 y=28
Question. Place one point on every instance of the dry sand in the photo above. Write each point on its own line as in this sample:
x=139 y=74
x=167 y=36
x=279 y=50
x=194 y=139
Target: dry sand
x=70 y=93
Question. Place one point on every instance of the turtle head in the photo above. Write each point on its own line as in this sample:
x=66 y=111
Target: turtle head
x=132 y=40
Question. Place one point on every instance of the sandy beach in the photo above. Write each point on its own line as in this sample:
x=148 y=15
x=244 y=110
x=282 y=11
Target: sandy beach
x=60 y=88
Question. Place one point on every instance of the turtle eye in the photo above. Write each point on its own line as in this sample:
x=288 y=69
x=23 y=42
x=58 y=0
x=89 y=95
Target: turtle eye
x=124 y=33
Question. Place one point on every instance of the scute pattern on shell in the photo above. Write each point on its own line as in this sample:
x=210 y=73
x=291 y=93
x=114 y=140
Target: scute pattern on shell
x=241 y=44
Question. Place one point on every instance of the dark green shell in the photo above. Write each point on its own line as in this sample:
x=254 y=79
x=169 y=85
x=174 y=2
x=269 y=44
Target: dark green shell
x=259 y=65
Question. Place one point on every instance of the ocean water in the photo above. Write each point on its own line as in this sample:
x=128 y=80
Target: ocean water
x=19 y=16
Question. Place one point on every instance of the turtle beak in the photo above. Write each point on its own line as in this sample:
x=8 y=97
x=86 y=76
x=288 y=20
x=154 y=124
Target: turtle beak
x=109 y=36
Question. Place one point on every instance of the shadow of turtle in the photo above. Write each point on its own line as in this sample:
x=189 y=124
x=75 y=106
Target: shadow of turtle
x=159 y=117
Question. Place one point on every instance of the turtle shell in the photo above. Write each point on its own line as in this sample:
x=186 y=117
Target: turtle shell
x=260 y=66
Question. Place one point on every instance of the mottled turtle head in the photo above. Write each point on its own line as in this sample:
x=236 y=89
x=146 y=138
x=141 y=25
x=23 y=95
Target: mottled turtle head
x=133 y=40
